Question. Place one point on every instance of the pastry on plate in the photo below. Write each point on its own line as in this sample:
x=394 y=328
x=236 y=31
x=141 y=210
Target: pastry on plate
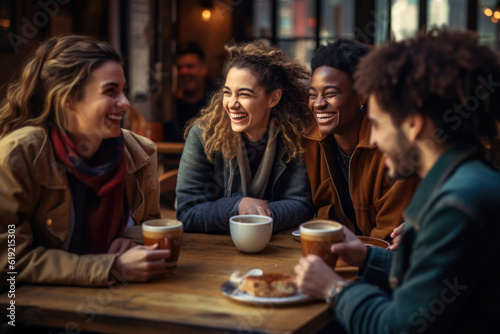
x=269 y=285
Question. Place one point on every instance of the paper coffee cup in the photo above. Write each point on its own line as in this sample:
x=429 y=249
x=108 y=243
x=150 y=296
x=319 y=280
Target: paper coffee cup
x=168 y=234
x=316 y=237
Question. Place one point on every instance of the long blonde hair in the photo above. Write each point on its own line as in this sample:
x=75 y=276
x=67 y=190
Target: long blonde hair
x=274 y=70
x=58 y=70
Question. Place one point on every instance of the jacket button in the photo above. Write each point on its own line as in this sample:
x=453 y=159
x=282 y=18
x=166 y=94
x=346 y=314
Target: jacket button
x=49 y=222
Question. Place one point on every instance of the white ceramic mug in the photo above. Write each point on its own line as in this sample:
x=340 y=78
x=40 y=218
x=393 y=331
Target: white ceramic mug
x=251 y=233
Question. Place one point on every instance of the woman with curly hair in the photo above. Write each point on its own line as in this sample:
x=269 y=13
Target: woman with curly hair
x=74 y=186
x=243 y=153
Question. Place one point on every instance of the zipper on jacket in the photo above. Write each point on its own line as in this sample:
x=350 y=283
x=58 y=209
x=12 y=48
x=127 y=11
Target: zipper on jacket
x=335 y=187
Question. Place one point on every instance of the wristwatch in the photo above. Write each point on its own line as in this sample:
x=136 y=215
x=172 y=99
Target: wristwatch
x=335 y=290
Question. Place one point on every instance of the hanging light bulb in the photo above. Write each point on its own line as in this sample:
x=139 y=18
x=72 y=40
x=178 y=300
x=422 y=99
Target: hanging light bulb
x=206 y=14
x=207 y=6
x=488 y=12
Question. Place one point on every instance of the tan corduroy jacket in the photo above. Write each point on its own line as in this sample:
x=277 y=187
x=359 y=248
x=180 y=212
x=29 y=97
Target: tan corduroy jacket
x=35 y=198
x=377 y=200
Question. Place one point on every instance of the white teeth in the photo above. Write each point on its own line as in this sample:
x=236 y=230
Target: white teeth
x=115 y=117
x=238 y=115
x=325 y=115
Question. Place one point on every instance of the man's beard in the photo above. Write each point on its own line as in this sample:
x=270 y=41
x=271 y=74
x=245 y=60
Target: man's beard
x=406 y=158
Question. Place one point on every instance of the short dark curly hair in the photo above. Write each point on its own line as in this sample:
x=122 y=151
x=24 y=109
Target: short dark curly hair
x=343 y=54
x=444 y=75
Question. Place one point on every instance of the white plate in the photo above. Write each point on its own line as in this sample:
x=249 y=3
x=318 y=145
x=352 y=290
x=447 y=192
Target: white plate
x=296 y=235
x=230 y=290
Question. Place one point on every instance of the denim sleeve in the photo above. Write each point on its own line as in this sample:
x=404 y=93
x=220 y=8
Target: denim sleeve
x=434 y=287
x=376 y=268
x=201 y=205
x=294 y=205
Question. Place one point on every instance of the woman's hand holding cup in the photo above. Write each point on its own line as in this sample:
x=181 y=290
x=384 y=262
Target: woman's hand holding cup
x=140 y=264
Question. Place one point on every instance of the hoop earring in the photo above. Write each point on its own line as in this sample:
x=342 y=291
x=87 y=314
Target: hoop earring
x=361 y=108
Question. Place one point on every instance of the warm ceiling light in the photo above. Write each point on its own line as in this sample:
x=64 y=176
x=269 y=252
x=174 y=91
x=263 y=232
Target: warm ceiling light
x=206 y=14
x=494 y=20
x=488 y=12
x=496 y=14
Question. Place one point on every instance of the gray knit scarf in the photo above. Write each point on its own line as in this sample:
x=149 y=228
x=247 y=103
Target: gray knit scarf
x=256 y=187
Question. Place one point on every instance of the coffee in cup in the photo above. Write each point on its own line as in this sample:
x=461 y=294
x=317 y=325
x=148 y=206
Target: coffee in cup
x=167 y=233
x=317 y=236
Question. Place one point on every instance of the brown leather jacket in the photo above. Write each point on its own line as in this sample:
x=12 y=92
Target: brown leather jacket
x=35 y=198
x=378 y=201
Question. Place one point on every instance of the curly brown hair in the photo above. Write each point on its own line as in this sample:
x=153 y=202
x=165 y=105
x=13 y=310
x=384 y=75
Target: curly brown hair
x=273 y=70
x=58 y=70
x=444 y=75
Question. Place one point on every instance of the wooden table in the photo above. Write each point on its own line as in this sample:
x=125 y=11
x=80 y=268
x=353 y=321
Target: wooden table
x=169 y=147
x=188 y=301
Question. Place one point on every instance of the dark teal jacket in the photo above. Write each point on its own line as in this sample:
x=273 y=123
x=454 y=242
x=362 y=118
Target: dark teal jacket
x=445 y=276
x=206 y=197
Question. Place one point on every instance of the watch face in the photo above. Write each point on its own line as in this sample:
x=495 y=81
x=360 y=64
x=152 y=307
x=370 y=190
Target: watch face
x=331 y=295
x=335 y=290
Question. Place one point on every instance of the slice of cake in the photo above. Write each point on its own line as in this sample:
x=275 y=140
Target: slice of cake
x=269 y=285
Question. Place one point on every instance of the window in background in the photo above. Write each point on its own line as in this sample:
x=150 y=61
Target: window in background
x=447 y=13
x=381 y=21
x=262 y=19
x=296 y=19
x=337 y=19
x=404 y=19
x=300 y=26
x=296 y=25
x=487 y=24
x=143 y=60
x=302 y=50
x=139 y=48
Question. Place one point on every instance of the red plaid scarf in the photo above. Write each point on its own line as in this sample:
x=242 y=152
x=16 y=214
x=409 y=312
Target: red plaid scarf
x=105 y=208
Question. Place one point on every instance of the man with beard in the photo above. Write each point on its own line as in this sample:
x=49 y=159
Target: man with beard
x=431 y=98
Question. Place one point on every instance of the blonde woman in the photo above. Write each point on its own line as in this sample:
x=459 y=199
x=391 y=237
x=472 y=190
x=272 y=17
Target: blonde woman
x=73 y=184
x=243 y=153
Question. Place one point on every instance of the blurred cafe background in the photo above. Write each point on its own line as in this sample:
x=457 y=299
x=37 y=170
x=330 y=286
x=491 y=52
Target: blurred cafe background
x=147 y=32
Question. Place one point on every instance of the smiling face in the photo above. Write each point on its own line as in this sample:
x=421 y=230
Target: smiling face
x=333 y=101
x=400 y=156
x=247 y=104
x=99 y=111
x=191 y=72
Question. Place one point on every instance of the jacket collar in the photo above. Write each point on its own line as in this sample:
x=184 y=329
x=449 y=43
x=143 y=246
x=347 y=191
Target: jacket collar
x=423 y=197
x=137 y=155
x=48 y=171
x=314 y=134
x=52 y=174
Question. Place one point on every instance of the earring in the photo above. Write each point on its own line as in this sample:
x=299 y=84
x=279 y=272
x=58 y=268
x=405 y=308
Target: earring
x=361 y=108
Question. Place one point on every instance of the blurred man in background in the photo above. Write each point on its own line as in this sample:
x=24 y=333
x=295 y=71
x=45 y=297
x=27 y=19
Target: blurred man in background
x=193 y=89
